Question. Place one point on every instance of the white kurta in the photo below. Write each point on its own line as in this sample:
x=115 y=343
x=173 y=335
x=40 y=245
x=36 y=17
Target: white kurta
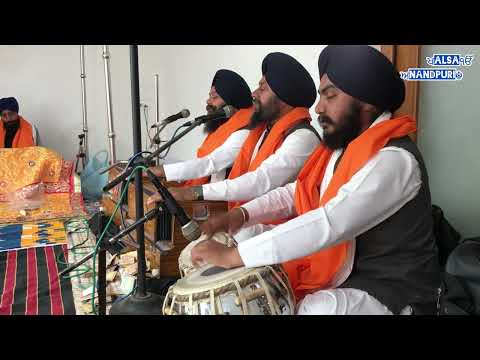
x=215 y=164
x=387 y=182
x=277 y=170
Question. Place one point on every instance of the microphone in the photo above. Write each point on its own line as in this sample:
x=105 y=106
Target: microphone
x=185 y=113
x=225 y=112
x=190 y=229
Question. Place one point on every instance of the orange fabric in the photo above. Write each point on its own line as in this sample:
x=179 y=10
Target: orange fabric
x=23 y=137
x=216 y=139
x=21 y=167
x=244 y=163
x=316 y=271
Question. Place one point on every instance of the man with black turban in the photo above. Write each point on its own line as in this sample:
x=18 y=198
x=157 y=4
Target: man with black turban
x=280 y=139
x=361 y=240
x=225 y=136
x=15 y=131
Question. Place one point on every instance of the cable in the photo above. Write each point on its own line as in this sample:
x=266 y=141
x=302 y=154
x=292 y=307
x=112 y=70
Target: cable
x=152 y=138
x=83 y=269
x=99 y=241
x=154 y=141
x=168 y=149
x=125 y=183
x=130 y=293
x=135 y=156
x=122 y=216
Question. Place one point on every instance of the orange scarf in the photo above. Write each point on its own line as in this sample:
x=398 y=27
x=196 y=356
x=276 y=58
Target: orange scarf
x=274 y=140
x=23 y=137
x=316 y=271
x=216 y=139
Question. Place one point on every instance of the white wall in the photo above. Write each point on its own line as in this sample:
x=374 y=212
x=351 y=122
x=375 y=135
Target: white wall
x=448 y=138
x=190 y=73
x=46 y=81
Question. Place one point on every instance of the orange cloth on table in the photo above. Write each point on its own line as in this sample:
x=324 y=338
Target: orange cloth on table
x=21 y=167
x=316 y=271
x=216 y=139
x=23 y=137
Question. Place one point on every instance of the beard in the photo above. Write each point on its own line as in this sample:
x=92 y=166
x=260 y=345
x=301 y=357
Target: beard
x=266 y=113
x=212 y=125
x=10 y=124
x=345 y=131
x=10 y=118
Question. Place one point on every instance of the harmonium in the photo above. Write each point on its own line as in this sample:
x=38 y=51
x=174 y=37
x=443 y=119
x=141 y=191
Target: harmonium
x=163 y=236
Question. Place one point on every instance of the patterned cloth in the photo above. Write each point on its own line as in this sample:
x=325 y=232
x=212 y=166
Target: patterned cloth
x=30 y=285
x=15 y=236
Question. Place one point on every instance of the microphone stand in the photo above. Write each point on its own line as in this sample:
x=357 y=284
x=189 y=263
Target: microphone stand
x=110 y=246
x=156 y=138
x=143 y=302
x=141 y=160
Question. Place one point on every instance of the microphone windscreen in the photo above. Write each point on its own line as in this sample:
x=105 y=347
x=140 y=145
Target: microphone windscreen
x=191 y=231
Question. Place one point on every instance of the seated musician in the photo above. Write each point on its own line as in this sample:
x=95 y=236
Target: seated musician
x=361 y=240
x=15 y=131
x=280 y=140
x=224 y=136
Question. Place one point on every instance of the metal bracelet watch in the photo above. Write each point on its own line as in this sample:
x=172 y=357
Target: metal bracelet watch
x=245 y=215
x=198 y=192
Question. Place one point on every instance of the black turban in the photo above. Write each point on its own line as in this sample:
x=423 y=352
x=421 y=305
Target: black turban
x=289 y=80
x=232 y=88
x=364 y=73
x=9 y=103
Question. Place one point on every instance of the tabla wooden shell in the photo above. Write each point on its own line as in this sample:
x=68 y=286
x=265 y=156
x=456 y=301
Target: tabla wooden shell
x=210 y=290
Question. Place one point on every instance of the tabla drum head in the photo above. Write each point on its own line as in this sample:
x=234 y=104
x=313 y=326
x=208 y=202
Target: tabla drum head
x=185 y=264
x=207 y=277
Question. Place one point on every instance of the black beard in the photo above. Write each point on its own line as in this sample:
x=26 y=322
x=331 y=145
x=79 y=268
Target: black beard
x=212 y=125
x=210 y=109
x=11 y=124
x=344 y=133
x=264 y=114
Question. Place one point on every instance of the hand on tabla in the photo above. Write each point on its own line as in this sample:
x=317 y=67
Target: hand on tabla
x=214 y=253
x=229 y=222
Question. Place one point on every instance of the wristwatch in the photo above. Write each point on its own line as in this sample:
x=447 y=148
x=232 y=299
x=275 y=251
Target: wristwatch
x=198 y=192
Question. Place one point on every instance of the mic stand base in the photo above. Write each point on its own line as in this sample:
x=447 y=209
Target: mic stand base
x=150 y=304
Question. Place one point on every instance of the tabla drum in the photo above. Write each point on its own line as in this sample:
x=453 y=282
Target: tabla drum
x=185 y=264
x=211 y=290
